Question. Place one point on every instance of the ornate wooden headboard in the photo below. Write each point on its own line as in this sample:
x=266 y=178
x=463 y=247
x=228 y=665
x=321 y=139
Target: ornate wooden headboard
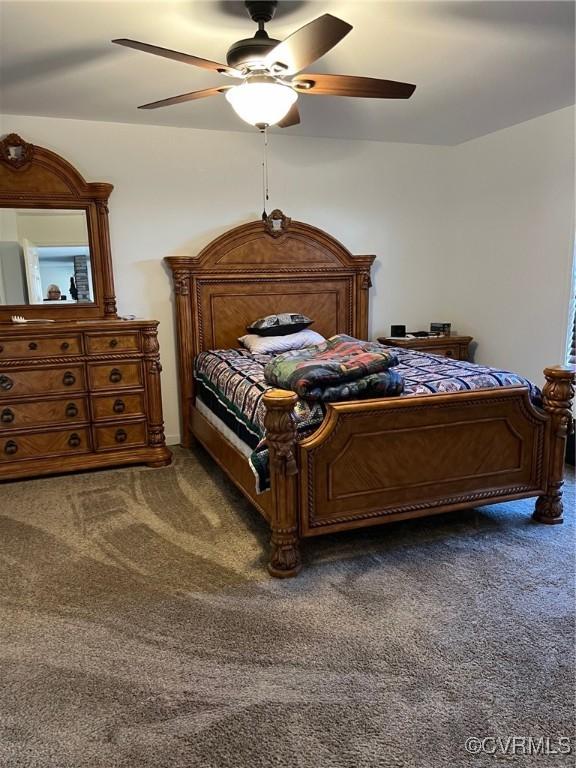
x=257 y=269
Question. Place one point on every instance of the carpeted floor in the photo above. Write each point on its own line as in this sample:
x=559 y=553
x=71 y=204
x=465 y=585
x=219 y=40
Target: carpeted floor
x=139 y=628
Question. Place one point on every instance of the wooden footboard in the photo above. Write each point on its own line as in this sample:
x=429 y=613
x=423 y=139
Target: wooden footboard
x=376 y=461
x=385 y=459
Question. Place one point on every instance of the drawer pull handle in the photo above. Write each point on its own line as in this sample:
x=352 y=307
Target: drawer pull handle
x=32 y=345
x=120 y=436
x=113 y=342
x=69 y=379
x=71 y=410
x=449 y=353
x=7 y=416
x=6 y=383
x=64 y=346
x=119 y=406
x=10 y=448
x=74 y=441
x=115 y=375
x=1 y=349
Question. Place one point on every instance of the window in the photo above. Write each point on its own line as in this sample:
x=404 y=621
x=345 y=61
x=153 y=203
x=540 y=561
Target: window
x=571 y=345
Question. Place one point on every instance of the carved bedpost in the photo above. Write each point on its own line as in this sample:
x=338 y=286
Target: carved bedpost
x=152 y=370
x=557 y=395
x=107 y=280
x=186 y=345
x=363 y=284
x=281 y=436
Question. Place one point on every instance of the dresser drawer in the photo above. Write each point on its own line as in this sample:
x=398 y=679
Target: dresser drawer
x=125 y=435
x=105 y=408
x=448 y=351
x=17 y=446
x=114 y=375
x=41 y=381
x=43 y=412
x=101 y=343
x=40 y=346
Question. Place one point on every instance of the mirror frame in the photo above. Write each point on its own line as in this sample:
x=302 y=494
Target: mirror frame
x=35 y=177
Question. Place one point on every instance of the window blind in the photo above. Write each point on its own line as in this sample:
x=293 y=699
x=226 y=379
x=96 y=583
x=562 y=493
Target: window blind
x=572 y=346
x=571 y=352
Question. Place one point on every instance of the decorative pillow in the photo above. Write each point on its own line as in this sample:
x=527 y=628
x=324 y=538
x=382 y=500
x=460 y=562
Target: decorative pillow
x=279 y=325
x=276 y=344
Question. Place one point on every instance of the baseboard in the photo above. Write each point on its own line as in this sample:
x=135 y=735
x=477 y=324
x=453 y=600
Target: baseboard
x=173 y=440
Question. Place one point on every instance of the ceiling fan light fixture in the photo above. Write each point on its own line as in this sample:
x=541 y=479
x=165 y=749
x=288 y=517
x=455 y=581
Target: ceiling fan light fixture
x=261 y=103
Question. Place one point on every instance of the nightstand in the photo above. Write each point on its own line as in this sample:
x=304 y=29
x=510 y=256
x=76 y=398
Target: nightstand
x=447 y=346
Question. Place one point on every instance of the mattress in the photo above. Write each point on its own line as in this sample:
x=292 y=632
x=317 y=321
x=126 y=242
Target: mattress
x=230 y=383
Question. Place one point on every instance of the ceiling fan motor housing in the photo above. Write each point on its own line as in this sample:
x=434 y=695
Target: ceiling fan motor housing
x=251 y=52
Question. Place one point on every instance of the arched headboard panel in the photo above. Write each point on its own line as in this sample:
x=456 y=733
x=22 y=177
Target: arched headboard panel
x=256 y=269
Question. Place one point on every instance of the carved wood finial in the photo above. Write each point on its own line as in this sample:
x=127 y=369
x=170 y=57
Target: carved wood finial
x=365 y=281
x=558 y=393
x=276 y=223
x=281 y=429
x=557 y=397
x=15 y=152
x=181 y=282
x=110 y=306
x=150 y=345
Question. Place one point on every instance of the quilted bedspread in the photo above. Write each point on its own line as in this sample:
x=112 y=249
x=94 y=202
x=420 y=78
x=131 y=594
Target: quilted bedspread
x=342 y=368
x=231 y=383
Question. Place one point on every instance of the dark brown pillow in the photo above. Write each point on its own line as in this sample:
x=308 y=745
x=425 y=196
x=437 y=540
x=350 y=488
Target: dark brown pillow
x=279 y=325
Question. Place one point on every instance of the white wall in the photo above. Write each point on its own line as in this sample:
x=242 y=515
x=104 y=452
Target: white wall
x=513 y=242
x=8 y=225
x=52 y=228
x=411 y=205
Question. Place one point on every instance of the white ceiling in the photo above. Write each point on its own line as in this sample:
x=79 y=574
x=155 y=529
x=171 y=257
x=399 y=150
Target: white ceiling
x=479 y=66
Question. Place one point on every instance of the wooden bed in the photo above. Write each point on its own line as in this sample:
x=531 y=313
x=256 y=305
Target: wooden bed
x=371 y=461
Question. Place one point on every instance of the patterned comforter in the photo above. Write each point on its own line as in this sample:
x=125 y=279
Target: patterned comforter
x=342 y=368
x=231 y=383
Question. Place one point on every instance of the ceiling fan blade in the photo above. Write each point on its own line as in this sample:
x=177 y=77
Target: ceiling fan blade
x=186 y=58
x=192 y=96
x=349 y=85
x=307 y=44
x=292 y=117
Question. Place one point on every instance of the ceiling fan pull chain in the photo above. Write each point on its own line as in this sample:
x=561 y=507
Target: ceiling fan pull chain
x=264 y=132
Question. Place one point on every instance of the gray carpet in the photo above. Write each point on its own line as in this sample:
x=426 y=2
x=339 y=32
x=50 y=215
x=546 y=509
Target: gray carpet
x=138 y=627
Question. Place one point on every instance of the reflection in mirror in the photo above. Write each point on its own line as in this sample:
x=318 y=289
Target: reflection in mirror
x=44 y=257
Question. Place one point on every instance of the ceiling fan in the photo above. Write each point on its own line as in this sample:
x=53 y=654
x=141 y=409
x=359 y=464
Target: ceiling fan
x=271 y=70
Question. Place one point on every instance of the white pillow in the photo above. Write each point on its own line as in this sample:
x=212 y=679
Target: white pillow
x=276 y=344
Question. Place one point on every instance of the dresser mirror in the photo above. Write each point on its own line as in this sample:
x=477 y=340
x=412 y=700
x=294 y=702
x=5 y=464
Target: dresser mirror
x=45 y=257
x=55 y=261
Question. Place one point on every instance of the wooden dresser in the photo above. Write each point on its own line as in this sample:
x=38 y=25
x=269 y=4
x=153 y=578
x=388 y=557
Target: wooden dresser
x=79 y=395
x=79 y=388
